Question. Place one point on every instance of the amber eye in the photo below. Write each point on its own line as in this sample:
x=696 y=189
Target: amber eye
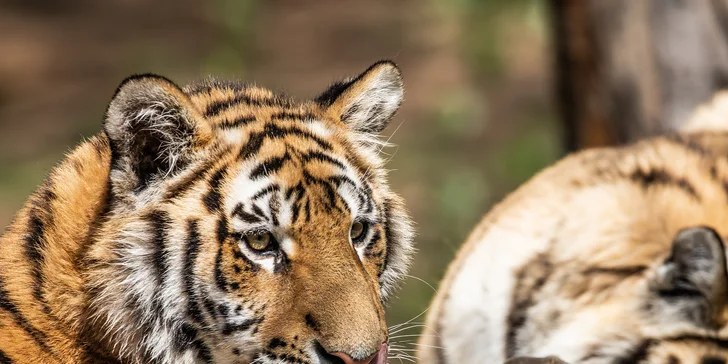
x=358 y=231
x=259 y=241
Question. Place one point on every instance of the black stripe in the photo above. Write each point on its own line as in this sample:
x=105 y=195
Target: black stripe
x=619 y=271
x=274 y=206
x=245 y=216
x=188 y=271
x=6 y=304
x=285 y=115
x=222 y=235
x=712 y=360
x=218 y=107
x=160 y=221
x=231 y=328
x=388 y=234
x=524 y=297
x=721 y=343
x=222 y=230
x=270 y=188
x=295 y=211
x=35 y=245
x=297 y=189
x=223 y=310
x=339 y=180
x=369 y=250
x=212 y=199
x=259 y=212
x=190 y=179
x=688 y=143
x=322 y=157
x=4 y=358
x=219 y=276
x=35 y=241
x=236 y=123
x=330 y=192
x=661 y=177
x=276 y=131
x=210 y=307
x=307 y=209
x=638 y=354
x=252 y=146
x=184 y=337
x=272 y=165
x=255 y=140
x=296 y=207
x=203 y=352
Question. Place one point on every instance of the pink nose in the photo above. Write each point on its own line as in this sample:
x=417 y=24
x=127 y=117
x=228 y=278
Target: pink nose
x=380 y=357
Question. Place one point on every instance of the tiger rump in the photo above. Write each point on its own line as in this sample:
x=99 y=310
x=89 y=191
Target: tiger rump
x=611 y=256
x=213 y=223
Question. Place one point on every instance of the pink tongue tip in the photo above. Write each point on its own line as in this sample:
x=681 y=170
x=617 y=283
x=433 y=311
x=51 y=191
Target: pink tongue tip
x=382 y=355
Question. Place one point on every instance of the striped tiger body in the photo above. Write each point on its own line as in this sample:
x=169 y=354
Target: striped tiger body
x=213 y=223
x=611 y=256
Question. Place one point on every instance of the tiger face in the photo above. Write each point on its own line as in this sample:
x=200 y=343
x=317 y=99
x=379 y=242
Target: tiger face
x=244 y=226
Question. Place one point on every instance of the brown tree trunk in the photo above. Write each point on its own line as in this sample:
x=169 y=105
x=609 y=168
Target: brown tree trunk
x=632 y=68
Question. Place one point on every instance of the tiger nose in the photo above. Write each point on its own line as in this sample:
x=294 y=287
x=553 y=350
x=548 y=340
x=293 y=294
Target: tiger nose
x=380 y=357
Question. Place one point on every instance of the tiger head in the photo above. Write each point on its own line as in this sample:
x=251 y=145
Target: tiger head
x=244 y=226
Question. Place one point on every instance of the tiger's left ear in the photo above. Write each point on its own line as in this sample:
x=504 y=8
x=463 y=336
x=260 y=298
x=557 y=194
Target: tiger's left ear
x=367 y=102
x=153 y=130
x=692 y=284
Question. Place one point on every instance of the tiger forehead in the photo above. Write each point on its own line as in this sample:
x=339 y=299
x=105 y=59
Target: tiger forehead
x=228 y=104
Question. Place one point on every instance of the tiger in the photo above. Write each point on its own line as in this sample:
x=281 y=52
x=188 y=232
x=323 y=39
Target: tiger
x=613 y=255
x=219 y=222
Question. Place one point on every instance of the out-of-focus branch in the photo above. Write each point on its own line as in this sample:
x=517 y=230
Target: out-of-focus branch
x=629 y=69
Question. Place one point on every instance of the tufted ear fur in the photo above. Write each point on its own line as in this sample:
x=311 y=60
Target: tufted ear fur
x=153 y=129
x=367 y=102
x=692 y=284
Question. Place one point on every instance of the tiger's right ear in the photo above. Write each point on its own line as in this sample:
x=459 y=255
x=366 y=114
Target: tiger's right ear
x=153 y=130
x=368 y=102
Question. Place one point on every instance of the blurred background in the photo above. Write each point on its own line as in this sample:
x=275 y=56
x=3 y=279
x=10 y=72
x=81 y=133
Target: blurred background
x=484 y=79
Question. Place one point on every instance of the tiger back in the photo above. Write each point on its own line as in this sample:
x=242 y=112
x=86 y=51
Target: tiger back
x=612 y=255
x=218 y=222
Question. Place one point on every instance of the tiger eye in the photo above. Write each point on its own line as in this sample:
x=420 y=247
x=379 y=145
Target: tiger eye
x=259 y=241
x=357 y=230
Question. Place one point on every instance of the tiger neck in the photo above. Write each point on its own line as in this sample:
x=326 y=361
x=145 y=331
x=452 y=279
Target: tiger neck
x=46 y=244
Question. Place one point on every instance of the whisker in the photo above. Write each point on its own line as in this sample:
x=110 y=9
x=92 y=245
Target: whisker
x=402 y=357
x=407 y=328
x=423 y=281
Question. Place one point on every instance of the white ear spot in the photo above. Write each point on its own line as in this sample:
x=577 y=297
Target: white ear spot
x=372 y=108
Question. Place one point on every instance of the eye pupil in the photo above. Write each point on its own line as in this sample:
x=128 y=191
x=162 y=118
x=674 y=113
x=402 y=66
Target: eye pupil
x=357 y=230
x=259 y=241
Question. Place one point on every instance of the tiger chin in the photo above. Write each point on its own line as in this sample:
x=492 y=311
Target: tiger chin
x=213 y=223
x=611 y=256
